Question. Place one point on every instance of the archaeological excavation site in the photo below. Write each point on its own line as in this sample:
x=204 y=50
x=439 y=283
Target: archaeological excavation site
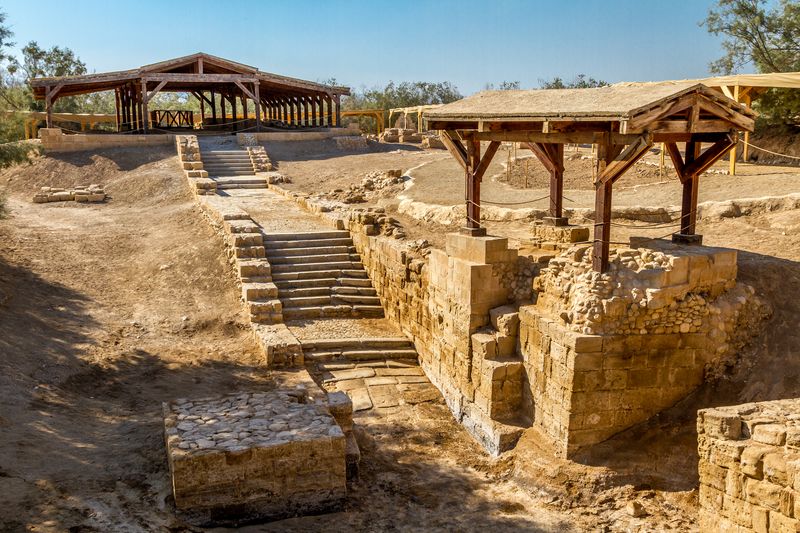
x=247 y=301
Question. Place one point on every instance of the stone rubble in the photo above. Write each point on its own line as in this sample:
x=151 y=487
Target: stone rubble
x=80 y=193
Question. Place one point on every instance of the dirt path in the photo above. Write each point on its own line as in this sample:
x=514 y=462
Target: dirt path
x=107 y=310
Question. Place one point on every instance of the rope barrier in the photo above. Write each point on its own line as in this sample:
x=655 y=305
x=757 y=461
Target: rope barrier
x=769 y=151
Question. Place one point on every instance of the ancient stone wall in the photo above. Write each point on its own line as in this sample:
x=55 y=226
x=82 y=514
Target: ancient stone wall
x=603 y=352
x=596 y=354
x=54 y=140
x=80 y=193
x=749 y=466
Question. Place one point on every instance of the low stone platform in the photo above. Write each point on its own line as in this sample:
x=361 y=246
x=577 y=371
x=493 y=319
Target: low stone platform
x=254 y=456
x=749 y=466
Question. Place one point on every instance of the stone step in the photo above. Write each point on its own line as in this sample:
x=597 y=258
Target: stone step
x=276 y=260
x=312 y=235
x=227 y=173
x=363 y=311
x=302 y=292
x=246 y=239
x=254 y=269
x=328 y=299
x=319 y=274
x=242 y=226
x=366 y=354
x=240 y=180
x=309 y=267
x=250 y=251
x=223 y=159
x=231 y=186
x=323 y=282
x=356 y=343
x=294 y=252
x=305 y=244
x=259 y=291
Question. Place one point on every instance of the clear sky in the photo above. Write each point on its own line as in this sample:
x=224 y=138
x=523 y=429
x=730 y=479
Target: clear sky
x=369 y=42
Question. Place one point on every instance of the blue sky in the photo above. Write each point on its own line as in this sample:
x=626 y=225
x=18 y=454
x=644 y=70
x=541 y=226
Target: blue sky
x=367 y=43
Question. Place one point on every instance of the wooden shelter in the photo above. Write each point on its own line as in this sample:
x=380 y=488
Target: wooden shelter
x=622 y=121
x=215 y=82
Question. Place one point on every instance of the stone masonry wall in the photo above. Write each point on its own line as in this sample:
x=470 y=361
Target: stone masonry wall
x=54 y=140
x=604 y=352
x=596 y=354
x=750 y=467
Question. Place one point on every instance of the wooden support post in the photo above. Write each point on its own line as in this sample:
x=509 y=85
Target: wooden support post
x=202 y=108
x=213 y=107
x=145 y=99
x=748 y=101
x=328 y=111
x=338 y=102
x=691 y=186
x=473 y=190
x=257 y=104
x=50 y=97
x=309 y=117
x=117 y=109
x=233 y=112
x=318 y=118
x=602 y=208
x=732 y=156
x=557 y=217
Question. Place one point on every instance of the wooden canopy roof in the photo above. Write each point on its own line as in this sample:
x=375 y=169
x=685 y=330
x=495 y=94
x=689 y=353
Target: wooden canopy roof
x=623 y=121
x=626 y=108
x=186 y=73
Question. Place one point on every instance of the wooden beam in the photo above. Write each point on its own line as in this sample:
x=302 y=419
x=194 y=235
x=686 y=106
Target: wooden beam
x=704 y=161
x=150 y=95
x=677 y=159
x=486 y=159
x=578 y=137
x=453 y=144
x=626 y=159
x=643 y=119
x=144 y=100
x=244 y=89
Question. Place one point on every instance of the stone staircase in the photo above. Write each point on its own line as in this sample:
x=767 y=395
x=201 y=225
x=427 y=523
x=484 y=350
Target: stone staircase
x=372 y=371
x=319 y=274
x=232 y=169
x=358 y=350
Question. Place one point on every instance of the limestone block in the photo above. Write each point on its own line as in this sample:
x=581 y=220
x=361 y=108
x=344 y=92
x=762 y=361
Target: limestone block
x=254 y=456
x=482 y=250
x=505 y=319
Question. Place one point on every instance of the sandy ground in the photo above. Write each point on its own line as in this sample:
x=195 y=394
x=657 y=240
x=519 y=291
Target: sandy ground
x=108 y=310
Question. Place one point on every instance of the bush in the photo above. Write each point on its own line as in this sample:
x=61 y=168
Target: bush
x=15 y=153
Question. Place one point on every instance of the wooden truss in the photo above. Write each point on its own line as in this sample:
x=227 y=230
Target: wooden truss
x=278 y=100
x=692 y=118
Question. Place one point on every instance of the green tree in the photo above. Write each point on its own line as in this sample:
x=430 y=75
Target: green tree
x=503 y=86
x=581 y=81
x=405 y=94
x=763 y=34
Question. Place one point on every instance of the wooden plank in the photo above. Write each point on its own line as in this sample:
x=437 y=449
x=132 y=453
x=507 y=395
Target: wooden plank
x=453 y=144
x=642 y=120
x=739 y=120
x=542 y=155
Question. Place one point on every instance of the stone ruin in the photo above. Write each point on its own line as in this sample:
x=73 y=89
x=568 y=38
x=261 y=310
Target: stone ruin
x=750 y=467
x=263 y=455
x=393 y=135
x=80 y=193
